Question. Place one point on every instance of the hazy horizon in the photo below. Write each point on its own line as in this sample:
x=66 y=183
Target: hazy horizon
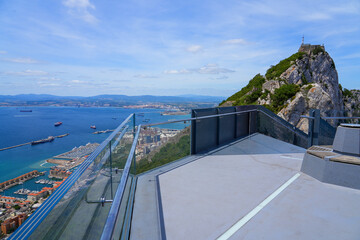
x=165 y=48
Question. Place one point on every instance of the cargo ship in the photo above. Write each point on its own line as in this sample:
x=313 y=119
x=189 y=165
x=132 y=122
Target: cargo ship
x=57 y=124
x=49 y=139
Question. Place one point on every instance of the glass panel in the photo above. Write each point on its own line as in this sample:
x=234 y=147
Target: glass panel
x=78 y=213
x=272 y=125
x=161 y=144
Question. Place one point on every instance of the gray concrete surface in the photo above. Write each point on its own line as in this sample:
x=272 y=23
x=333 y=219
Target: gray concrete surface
x=307 y=209
x=203 y=196
x=145 y=223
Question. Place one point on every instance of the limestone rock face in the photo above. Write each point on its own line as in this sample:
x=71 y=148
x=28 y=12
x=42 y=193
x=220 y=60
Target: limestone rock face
x=352 y=103
x=271 y=85
x=320 y=89
x=314 y=98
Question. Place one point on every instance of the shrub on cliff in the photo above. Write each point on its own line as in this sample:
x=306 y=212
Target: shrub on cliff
x=282 y=66
x=242 y=96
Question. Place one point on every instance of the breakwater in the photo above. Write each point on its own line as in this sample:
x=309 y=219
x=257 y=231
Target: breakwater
x=15 y=181
x=29 y=143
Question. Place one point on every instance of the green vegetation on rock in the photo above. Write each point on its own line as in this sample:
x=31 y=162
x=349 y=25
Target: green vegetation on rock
x=318 y=50
x=282 y=66
x=281 y=95
x=308 y=87
x=250 y=93
x=347 y=93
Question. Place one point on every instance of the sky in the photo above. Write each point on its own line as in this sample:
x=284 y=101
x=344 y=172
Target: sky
x=158 y=47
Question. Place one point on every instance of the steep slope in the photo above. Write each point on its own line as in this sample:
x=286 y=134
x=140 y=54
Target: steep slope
x=307 y=79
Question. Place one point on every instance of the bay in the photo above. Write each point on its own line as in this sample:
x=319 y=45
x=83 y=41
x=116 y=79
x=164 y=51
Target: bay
x=20 y=127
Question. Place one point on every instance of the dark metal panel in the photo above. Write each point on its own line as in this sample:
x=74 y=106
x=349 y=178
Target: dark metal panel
x=253 y=122
x=242 y=124
x=227 y=125
x=205 y=132
x=246 y=122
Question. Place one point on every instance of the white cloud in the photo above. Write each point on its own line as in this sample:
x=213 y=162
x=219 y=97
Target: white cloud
x=239 y=41
x=182 y=71
x=50 y=79
x=80 y=9
x=207 y=69
x=194 y=48
x=222 y=78
x=212 y=69
x=144 y=76
x=77 y=81
x=27 y=73
x=45 y=84
x=78 y=4
x=21 y=60
x=316 y=16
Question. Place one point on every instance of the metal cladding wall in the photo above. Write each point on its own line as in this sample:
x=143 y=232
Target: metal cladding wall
x=227 y=125
x=211 y=132
x=204 y=132
x=248 y=117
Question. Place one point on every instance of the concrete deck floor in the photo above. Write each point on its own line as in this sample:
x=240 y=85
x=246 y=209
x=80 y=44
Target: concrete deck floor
x=202 y=197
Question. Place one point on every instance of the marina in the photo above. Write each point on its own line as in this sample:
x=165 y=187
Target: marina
x=20 y=180
x=24 y=191
x=44 y=181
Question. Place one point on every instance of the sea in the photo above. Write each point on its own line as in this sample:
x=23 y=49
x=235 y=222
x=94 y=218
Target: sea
x=18 y=127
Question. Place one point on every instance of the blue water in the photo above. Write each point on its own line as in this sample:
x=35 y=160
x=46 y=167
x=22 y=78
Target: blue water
x=20 y=127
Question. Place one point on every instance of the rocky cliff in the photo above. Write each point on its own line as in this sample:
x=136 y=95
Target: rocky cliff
x=307 y=79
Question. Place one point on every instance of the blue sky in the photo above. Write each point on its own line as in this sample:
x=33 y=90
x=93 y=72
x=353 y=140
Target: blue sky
x=90 y=47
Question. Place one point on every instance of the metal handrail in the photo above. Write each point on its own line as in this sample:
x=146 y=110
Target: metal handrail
x=291 y=129
x=115 y=206
x=326 y=118
x=329 y=118
x=26 y=229
x=220 y=115
x=197 y=118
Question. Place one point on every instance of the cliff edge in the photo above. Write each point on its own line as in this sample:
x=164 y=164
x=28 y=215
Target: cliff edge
x=305 y=80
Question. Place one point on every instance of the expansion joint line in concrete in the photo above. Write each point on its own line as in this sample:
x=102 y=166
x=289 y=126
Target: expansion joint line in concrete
x=231 y=231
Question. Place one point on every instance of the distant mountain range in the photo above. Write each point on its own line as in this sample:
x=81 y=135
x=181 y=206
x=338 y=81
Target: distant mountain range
x=102 y=100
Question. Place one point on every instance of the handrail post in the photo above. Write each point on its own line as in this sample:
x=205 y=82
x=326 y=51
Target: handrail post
x=111 y=178
x=314 y=127
x=193 y=133
x=134 y=129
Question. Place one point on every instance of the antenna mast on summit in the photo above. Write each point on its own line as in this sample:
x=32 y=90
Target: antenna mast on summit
x=302 y=42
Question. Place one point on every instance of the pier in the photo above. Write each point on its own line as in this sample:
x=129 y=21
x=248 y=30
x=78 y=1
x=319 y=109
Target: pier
x=29 y=143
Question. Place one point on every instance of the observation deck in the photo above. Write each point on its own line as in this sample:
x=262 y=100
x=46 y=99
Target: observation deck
x=250 y=189
x=230 y=173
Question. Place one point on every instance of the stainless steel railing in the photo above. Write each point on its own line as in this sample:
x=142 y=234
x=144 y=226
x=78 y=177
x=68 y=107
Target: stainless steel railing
x=114 y=210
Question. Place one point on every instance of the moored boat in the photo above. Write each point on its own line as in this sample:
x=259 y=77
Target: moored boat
x=57 y=124
x=93 y=126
